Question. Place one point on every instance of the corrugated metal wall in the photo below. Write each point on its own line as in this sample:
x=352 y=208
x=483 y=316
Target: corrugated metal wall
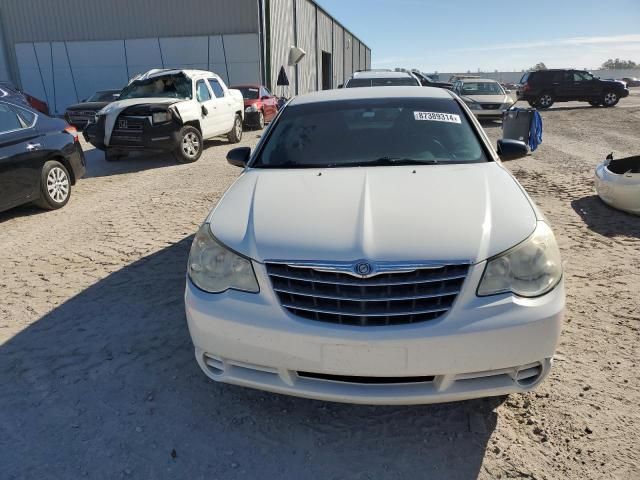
x=355 y=52
x=80 y=20
x=325 y=43
x=311 y=28
x=338 y=55
x=306 y=29
x=348 y=55
x=281 y=34
x=368 y=59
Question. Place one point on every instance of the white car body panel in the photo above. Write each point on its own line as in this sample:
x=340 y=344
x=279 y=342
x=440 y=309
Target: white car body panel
x=619 y=191
x=350 y=213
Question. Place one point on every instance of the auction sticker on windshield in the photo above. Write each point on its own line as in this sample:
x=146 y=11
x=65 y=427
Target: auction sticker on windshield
x=437 y=117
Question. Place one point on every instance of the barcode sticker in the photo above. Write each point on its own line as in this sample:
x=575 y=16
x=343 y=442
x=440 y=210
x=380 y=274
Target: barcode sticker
x=437 y=117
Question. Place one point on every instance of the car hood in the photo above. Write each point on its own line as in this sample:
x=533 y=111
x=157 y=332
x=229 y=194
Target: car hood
x=423 y=213
x=487 y=98
x=87 y=106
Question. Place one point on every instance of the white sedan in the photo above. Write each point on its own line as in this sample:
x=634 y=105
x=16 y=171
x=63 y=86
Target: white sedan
x=485 y=97
x=375 y=250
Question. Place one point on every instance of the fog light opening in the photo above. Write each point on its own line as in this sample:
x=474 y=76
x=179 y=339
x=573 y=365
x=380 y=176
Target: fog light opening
x=528 y=375
x=214 y=364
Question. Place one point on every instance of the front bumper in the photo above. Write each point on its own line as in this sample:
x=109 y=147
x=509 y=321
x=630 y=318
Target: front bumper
x=489 y=114
x=481 y=347
x=251 y=118
x=153 y=138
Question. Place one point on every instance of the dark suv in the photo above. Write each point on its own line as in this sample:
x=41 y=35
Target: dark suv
x=542 y=88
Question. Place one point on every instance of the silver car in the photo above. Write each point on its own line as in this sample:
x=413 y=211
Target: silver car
x=486 y=98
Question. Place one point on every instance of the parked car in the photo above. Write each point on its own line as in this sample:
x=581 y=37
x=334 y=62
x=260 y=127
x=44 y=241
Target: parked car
x=376 y=250
x=618 y=183
x=376 y=78
x=631 y=81
x=542 y=88
x=260 y=106
x=485 y=98
x=168 y=111
x=40 y=158
x=80 y=114
x=455 y=78
x=11 y=93
x=427 y=81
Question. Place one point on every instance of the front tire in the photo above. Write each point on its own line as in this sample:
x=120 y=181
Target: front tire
x=260 y=123
x=235 y=135
x=544 y=101
x=531 y=103
x=190 y=146
x=55 y=186
x=610 y=99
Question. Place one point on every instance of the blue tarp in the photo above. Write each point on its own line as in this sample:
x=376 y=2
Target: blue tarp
x=535 y=131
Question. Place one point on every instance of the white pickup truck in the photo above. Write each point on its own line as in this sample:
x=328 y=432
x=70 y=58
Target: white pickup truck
x=168 y=111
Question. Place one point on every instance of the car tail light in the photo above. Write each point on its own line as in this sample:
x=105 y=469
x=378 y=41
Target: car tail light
x=71 y=130
x=526 y=87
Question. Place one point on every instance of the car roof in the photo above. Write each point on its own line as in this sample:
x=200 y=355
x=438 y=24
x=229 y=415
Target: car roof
x=158 y=72
x=345 y=94
x=379 y=74
x=246 y=85
x=478 y=80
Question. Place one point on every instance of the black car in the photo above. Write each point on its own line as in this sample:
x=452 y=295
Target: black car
x=542 y=88
x=84 y=112
x=40 y=158
x=631 y=81
x=427 y=81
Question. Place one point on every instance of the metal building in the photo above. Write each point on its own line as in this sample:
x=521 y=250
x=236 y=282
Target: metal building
x=64 y=50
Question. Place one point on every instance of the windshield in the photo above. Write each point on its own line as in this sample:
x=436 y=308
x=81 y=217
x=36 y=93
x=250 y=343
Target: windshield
x=105 y=96
x=382 y=82
x=171 y=86
x=249 y=93
x=386 y=131
x=482 y=88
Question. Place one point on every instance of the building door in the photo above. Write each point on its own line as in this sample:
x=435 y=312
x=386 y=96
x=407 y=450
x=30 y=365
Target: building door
x=327 y=73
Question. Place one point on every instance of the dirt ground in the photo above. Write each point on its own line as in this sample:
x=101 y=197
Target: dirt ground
x=98 y=379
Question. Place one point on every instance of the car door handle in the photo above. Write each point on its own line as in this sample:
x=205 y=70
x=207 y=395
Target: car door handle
x=33 y=146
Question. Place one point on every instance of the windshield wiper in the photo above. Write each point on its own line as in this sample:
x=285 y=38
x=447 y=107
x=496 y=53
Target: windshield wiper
x=395 y=161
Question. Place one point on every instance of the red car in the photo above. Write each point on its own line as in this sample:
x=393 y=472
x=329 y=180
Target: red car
x=260 y=106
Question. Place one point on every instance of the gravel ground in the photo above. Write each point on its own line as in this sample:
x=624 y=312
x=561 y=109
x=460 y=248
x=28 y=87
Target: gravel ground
x=99 y=380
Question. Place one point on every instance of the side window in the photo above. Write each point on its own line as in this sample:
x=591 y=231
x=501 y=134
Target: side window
x=216 y=87
x=558 y=77
x=28 y=118
x=9 y=120
x=202 y=92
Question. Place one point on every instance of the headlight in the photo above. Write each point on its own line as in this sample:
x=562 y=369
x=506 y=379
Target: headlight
x=251 y=108
x=215 y=269
x=160 y=117
x=475 y=106
x=530 y=269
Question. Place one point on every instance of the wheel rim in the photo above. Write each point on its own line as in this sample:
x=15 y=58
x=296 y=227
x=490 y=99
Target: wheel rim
x=238 y=129
x=610 y=98
x=545 y=100
x=190 y=145
x=58 y=185
x=261 y=120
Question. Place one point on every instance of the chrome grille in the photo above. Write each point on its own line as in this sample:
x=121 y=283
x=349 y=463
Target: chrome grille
x=129 y=124
x=384 y=299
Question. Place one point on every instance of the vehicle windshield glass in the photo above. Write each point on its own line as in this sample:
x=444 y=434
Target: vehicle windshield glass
x=249 y=93
x=171 y=86
x=382 y=82
x=371 y=132
x=106 y=96
x=482 y=88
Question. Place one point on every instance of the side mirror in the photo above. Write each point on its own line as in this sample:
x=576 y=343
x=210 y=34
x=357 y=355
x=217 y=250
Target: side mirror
x=238 y=157
x=512 y=149
x=205 y=112
x=508 y=92
x=265 y=98
x=83 y=100
x=341 y=85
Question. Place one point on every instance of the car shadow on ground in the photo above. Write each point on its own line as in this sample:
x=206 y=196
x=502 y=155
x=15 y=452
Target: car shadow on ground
x=97 y=166
x=606 y=220
x=106 y=385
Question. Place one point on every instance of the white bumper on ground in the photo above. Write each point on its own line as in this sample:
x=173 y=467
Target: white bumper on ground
x=481 y=347
x=619 y=191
